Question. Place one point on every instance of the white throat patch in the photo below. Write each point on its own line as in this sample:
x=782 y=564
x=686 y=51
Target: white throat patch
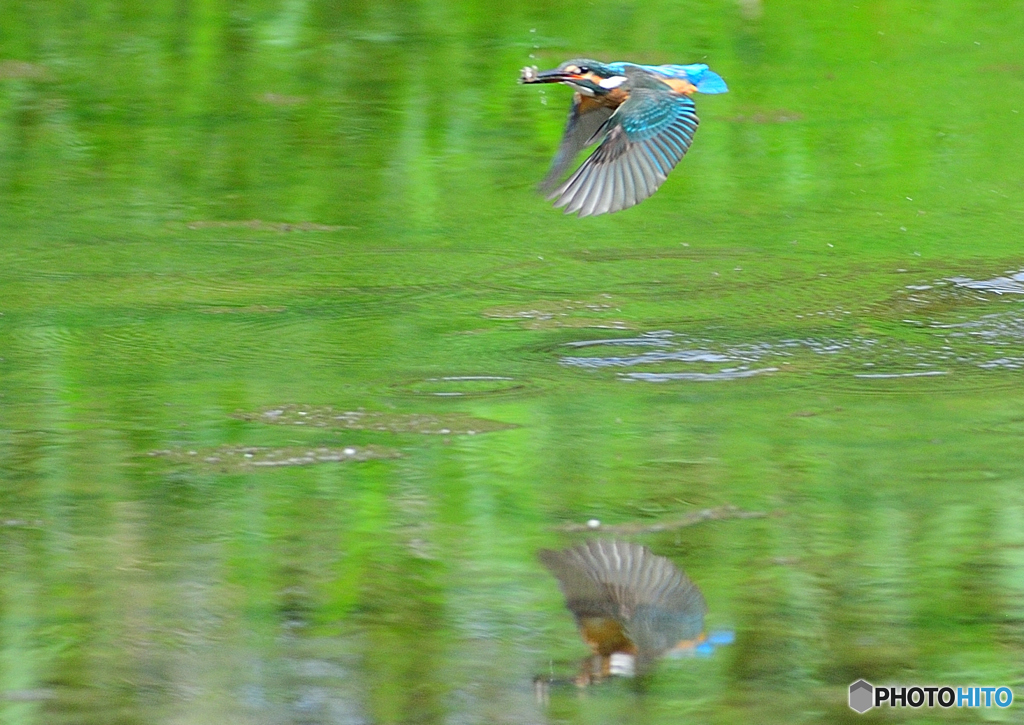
x=613 y=82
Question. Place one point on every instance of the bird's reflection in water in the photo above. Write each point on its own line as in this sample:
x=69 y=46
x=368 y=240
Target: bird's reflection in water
x=632 y=608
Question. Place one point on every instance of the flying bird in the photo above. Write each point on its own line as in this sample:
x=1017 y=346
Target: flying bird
x=631 y=606
x=644 y=119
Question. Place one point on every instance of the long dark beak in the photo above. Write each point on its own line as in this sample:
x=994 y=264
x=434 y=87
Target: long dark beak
x=531 y=75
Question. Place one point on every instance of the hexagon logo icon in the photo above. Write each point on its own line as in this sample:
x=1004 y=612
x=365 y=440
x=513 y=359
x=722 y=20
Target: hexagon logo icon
x=862 y=695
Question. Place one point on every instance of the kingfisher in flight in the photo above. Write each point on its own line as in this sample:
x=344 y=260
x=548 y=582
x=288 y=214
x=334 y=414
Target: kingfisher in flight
x=632 y=607
x=644 y=119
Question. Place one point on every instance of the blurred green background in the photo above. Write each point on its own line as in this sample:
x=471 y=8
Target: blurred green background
x=213 y=209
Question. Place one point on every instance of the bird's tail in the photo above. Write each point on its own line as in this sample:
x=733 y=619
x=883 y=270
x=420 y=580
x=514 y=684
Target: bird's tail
x=711 y=82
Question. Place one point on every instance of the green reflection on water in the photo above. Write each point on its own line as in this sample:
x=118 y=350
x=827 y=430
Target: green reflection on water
x=209 y=209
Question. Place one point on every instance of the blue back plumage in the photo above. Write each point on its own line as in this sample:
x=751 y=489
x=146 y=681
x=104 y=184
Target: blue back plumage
x=705 y=79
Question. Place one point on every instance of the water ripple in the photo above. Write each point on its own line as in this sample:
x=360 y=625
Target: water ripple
x=325 y=416
x=659 y=338
x=1013 y=283
x=461 y=386
x=243 y=458
x=727 y=374
x=688 y=358
x=650 y=357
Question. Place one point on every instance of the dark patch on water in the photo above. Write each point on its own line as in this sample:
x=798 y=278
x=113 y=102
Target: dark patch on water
x=681 y=522
x=279 y=99
x=1012 y=68
x=575 y=323
x=21 y=523
x=244 y=458
x=22 y=70
x=38 y=694
x=683 y=251
x=554 y=314
x=325 y=416
x=1014 y=426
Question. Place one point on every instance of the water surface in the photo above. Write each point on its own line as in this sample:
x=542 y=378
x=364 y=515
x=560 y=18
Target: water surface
x=211 y=213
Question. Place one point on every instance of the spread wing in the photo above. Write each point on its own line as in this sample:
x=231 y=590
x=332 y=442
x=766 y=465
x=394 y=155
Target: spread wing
x=654 y=601
x=643 y=141
x=586 y=117
x=586 y=593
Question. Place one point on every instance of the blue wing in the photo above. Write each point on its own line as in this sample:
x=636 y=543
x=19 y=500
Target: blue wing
x=705 y=79
x=643 y=141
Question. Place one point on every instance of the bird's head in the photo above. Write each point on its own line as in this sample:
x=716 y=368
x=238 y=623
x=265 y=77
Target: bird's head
x=589 y=77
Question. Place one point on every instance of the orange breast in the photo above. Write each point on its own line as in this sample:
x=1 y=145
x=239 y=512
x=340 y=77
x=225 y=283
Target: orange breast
x=613 y=99
x=587 y=103
x=605 y=636
x=616 y=97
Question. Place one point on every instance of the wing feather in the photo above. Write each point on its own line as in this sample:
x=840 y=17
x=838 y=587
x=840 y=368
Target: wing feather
x=643 y=139
x=656 y=604
x=586 y=119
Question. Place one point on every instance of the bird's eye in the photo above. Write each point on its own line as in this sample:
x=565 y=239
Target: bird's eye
x=584 y=69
